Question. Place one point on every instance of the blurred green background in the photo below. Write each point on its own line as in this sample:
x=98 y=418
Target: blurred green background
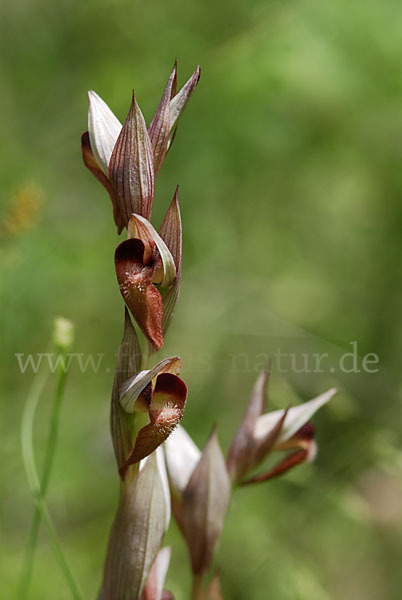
x=289 y=164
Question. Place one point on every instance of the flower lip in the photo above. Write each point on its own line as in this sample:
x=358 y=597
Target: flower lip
x=136 y=286
x=165 y=411
x=167 y=383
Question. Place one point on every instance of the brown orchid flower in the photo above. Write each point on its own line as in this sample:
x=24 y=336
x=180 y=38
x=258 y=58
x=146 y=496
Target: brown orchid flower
x=282 y=430
x=158 y=395
x=148 y=270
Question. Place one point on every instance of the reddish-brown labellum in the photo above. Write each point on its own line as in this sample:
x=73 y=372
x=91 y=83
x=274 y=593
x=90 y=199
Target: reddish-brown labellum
x=303 y=444
x=135 y=270
x=285 y=465
x=166 y=407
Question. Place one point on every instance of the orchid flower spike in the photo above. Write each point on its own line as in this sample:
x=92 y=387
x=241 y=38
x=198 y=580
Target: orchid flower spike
x=259 y=434
x=200 y=493
x=126 y=158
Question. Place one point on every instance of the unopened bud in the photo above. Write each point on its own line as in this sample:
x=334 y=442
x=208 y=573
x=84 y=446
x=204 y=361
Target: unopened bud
x=63 y=333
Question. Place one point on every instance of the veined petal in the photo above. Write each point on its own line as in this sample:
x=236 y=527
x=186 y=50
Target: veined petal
x=154 y=587
x=160 y=125
x=141 y=228
x=131 y=389
x=140 y=295
x=296 y=417
x=131 y=169
x=92 y=164
x=182 y=456
x=166 y=410
x=171 y=232
x=179 y=102
x=104 y=129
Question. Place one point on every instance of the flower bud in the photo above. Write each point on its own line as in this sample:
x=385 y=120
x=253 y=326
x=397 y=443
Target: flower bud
x=63 y=333
x=131 y=169
x=180 y=100
x=154 y=586
x=159 y=128
x=200 y=507
x=103 y=128
x=127 y=159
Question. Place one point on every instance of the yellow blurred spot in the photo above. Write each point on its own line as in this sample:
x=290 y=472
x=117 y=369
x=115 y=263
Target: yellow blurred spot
x=23 y=210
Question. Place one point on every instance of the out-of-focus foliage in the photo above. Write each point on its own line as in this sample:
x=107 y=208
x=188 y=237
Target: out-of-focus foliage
x=289 y=163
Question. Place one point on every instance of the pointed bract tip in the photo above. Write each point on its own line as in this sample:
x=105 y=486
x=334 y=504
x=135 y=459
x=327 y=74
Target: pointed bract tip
x=92 y=95
x=205 y=502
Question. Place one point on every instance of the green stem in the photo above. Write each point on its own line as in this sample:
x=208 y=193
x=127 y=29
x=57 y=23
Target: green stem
x=54 y=430
x=39 y=489
x=27 y=454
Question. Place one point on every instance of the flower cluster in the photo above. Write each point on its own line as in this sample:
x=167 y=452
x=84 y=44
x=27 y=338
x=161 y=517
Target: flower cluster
x=126 y=160
x=201 y=483
x=148 y=401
